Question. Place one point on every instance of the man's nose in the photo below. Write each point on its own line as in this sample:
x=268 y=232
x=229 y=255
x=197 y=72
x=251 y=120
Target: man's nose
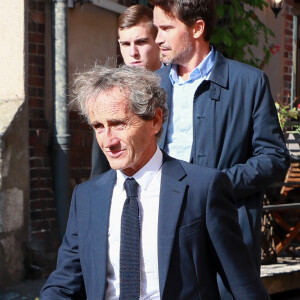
x=110 y=138
x=133 y=50
x=159 y=37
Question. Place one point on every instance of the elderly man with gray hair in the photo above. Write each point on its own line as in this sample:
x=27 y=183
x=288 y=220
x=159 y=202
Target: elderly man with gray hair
x=152 y=227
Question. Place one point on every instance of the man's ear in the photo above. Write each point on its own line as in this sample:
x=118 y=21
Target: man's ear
x=198 y=29
x=158 y=119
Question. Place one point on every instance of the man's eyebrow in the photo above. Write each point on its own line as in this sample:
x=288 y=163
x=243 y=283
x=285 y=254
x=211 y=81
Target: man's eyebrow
x=95 y=123
x=111 y=121
x=142 y=39
x=114 y=121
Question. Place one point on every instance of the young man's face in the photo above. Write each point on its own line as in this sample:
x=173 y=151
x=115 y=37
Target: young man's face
x=127 y=140
x=138 y=46
x=174 y=38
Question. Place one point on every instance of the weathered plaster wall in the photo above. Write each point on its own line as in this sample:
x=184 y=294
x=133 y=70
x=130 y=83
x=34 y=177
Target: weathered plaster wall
x=13 y=143
x=14 y=199
x=92 y=36
x=274 y=68
x=11 y=49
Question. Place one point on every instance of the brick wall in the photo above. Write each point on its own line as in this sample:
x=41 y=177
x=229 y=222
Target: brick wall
x=80 y=150
x=288 y=49
x=43 y=237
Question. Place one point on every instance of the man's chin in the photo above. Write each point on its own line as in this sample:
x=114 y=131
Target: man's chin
x=116 y=165
x=166 y=60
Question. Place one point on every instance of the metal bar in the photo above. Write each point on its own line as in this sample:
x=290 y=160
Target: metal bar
x=60 y=112
x=110 y=5
x=290 y=206
x=71 y=2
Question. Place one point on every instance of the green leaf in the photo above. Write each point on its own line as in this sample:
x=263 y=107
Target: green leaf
x=242 y=29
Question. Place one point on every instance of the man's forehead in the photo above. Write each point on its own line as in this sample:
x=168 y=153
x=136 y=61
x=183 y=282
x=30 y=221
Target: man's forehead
x=143 y=29
x=112 y=101
x=110 y=95
x=169 y=15
x=114 y=93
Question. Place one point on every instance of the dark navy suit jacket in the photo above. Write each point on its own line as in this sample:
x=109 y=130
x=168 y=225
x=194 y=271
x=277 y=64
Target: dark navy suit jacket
x=236 y=130
x=198 y=235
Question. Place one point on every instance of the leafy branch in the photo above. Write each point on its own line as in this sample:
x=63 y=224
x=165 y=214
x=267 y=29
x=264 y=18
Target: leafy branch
x=239 y=30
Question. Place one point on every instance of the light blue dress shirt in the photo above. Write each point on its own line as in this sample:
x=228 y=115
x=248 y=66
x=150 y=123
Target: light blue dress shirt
x=180 y=128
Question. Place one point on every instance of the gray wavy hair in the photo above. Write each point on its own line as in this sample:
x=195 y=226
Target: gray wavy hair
x=141 y=86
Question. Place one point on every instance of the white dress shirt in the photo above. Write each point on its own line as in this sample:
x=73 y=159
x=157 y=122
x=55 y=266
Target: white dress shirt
x=149 y=179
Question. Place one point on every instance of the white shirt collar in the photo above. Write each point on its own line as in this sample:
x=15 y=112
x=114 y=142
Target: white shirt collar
x=145 y=174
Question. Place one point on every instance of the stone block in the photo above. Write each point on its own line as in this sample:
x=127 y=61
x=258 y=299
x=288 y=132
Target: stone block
x=11 y=260
x=12 y=210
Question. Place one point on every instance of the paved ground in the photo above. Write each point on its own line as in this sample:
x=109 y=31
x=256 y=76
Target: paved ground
x=27 y=290
x=292 y=295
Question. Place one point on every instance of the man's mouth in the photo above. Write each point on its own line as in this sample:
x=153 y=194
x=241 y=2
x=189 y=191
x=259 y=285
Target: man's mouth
x=164 y=50
x=115 y=153
x=136 y=63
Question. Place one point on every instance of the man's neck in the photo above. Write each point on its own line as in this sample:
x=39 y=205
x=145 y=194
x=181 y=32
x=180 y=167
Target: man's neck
x=156 y=66
x=184 y=70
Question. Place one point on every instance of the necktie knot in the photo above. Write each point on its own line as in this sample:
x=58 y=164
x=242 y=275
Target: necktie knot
x=131 y=187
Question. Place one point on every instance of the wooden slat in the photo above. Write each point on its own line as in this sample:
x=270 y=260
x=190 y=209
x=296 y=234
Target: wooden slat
x=283 y=223
x=289 y=237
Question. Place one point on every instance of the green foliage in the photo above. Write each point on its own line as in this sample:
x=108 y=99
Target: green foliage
x=286 y=114
x=239 y=30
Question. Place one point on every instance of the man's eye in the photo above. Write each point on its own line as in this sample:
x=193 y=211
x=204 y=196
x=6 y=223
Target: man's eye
x=125 y=44
x=98 y=127
x=165 y=28
x=140 y=43
x=120 y=126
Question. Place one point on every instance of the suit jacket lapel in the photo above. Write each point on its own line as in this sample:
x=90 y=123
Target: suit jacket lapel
x=171 y=196
x=100 y=207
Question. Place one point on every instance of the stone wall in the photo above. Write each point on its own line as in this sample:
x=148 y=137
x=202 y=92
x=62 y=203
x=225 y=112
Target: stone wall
x=14 y=179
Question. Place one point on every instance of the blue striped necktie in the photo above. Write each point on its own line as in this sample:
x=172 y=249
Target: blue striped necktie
x=130 y=244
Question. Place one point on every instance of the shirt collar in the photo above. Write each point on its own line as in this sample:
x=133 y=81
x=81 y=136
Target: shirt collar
x=203 y=69
x=145 y=174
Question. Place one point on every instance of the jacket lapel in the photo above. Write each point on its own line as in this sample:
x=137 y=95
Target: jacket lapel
x=100 y=207
x=167 y=85
x=219 y=76
x=171 y=196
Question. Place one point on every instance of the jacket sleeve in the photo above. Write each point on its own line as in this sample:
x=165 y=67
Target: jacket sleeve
x=233 y=259
x=270 y=158
x=66 y=281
